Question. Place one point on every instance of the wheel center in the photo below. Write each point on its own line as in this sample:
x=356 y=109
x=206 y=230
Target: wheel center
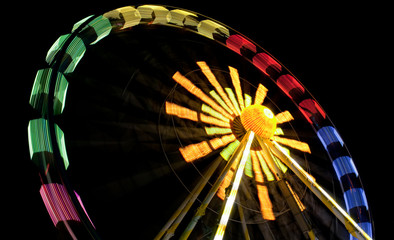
x=260 y=119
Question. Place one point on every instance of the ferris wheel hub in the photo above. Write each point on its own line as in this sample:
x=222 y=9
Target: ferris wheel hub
x=260 y=119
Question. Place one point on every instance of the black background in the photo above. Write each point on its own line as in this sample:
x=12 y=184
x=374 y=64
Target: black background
x=337 y=51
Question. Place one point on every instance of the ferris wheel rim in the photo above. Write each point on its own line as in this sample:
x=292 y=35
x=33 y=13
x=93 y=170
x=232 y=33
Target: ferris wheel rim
x=327 y=133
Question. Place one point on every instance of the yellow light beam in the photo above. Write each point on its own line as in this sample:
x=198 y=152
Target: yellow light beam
x=311 y=183
x=237 y=86
x=230 y=200
x=233 y=100
x=261 y=93
x=207 y=109
x=183 y=112
x=283 y=117
x=220 y=101
x=212 y=79
x=193 y=89
x=302 y=146
x=217 y=130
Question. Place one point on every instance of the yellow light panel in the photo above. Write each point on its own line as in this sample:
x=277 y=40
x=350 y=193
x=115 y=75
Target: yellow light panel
x=189 y=86
x=195 y=151
x=237 y=86
x=207 y=109
x=262 y=191
x=212 y=79
x=233 y=100
x=220 y=101
x=248 y=100
x=261 y=93
x=229 y=150
x=302 y=146
x=272 y=168
x=284 y=117
x=217 y=130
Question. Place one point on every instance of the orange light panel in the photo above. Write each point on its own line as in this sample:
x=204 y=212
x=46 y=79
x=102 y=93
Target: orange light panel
x=182 y=112
x=302 y=146
x=222 y=141
x=284 y=117
x=237 y=86
x=221 y=193
x=262 y=192
x=195 y=151
x=261 y=93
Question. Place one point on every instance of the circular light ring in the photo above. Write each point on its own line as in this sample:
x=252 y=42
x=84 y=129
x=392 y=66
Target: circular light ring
x=50 y=90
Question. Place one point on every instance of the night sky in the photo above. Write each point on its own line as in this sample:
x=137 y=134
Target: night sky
x=337 y=51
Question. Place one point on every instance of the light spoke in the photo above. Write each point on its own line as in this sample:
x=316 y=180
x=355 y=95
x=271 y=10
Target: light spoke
x=283 y=117
x=237 y=86
x=302 y=146
x=193 y=89
x=260 y=94
x=212 y=79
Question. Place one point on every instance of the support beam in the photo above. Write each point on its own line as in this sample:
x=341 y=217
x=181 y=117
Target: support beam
x=234 y=190
x=201 y=210
x=172 y=224
x=311 y=183
x=301 y=218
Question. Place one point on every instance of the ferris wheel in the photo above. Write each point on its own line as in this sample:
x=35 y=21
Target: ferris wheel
x=177 y=126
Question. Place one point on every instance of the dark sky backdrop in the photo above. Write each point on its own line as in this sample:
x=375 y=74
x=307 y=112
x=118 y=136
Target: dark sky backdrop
x=336 y=50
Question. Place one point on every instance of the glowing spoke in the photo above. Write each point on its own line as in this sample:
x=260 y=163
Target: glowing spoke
x=283 y=117
x=228 y=151
x=233 y=100
x=222 y=141
x=220 y=101
x=189 y=86
x=182 y=112
x=207 y=109
x=258 y=156
x=230 y=200
x=212 y=79
x=302 y=146
x=248 y=100
x=217 y=130
x=213 y=121
x=260 y=94
x=262 y=191
x=237 y=86
x=226 y=182
x=195 y=151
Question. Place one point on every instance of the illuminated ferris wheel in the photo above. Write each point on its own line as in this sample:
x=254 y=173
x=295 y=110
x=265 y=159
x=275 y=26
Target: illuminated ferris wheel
x=177 y=126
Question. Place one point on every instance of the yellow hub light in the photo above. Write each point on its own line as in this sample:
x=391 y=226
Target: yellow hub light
x=260 y=119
